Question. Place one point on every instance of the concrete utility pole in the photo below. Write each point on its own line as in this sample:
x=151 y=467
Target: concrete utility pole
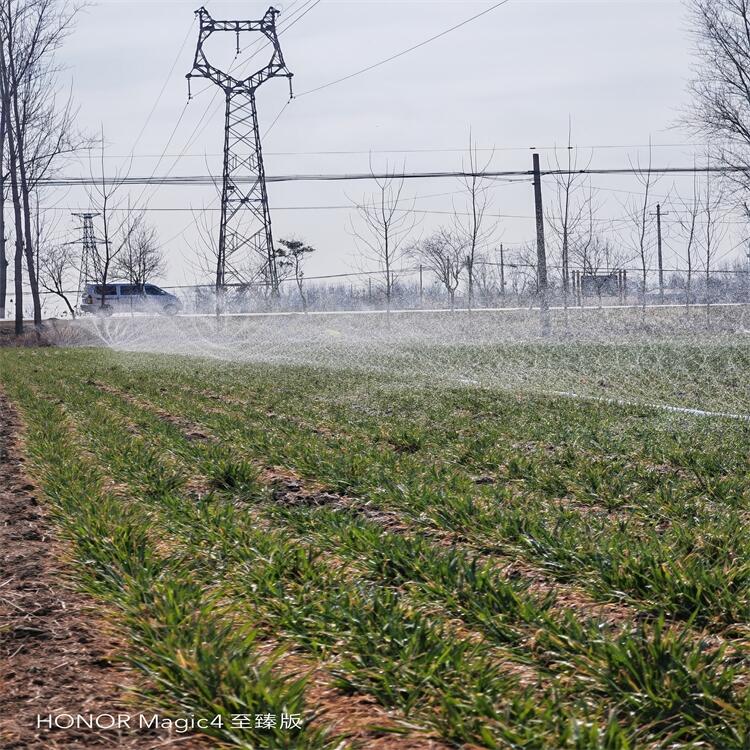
x=502 y=273
x=541 y=255
x=659 y=254
x=661 y=257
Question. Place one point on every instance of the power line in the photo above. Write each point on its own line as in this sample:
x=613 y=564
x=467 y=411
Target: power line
x=486 y=174
x=404 y=52
x=435 y=150
x=161 y=92
x=610 y=221
x=169 y=141
x=425 y=196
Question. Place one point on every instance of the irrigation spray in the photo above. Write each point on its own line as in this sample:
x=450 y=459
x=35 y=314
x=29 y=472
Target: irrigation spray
x=662 y=358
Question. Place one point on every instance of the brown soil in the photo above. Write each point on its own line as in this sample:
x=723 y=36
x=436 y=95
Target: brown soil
x=358 y=719
x=55 y=655
x=191 y=430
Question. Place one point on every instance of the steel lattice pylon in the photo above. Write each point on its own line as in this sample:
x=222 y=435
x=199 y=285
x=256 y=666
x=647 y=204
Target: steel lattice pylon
x=245 y=216
x=88 y=252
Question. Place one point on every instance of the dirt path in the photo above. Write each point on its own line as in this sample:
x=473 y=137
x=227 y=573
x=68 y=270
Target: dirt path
x=54 y=655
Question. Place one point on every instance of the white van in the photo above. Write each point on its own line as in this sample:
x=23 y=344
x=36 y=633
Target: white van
x=123 y=298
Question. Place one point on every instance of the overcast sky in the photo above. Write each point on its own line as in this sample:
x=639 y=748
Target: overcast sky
x=619 y=70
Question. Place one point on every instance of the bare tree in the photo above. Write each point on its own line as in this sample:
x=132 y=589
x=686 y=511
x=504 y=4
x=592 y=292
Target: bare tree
x=6 y=94
x=721 y=86
x=714 y=230
x=601 y=260
x=444 y=253
x=141 y=259
x=687 y=222
x=501 y=255
x=473 y=230
x=208 y=260
x=205 y=248
x=582 y=239
x=637 y=210
x=386 y=224
x=525 y=276
x=489 y=280
x=3 y=173
x=570 y=209
x=57 y=266
x=36 y=130
x=116 y=234
x=292 y=256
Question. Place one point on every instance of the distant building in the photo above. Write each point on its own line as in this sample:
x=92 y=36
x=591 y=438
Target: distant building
x=600 y=284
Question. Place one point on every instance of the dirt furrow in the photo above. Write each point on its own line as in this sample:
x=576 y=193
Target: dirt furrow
x=289 y=488
x=359 y=719
x=57 y=654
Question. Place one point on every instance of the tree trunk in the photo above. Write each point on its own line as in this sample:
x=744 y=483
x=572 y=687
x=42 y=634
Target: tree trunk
x=3 y=256
x=69 y=306
x=388 y=286
x=22 y=214
x=26 y=207
x=302 y=294
x=18 y=259
x=565 y=278
x=13 y=164
x=29 y=248
x=708 y=295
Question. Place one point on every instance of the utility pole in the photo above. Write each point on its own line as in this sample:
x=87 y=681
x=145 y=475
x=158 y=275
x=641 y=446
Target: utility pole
x=660 y=257
x=659 y=252
x=541 y=255
x=502 y=273
x=421 y=287
x=245 y=216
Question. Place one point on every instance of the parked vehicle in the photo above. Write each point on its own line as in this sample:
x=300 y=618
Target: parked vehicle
x=123 y=298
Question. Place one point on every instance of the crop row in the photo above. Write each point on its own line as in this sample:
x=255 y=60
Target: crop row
x=660 y=664
x=688 y=557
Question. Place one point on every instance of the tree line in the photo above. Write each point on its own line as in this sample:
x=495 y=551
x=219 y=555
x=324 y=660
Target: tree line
x=37 y=128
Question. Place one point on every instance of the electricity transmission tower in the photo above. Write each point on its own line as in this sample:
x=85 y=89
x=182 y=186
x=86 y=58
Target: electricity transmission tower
x=245 y=217
x=88 y=252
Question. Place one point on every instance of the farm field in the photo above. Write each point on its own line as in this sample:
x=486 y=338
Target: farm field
x=405 y=561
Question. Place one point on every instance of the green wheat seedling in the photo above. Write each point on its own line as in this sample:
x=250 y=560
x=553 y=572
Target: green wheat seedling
x=202 y=564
